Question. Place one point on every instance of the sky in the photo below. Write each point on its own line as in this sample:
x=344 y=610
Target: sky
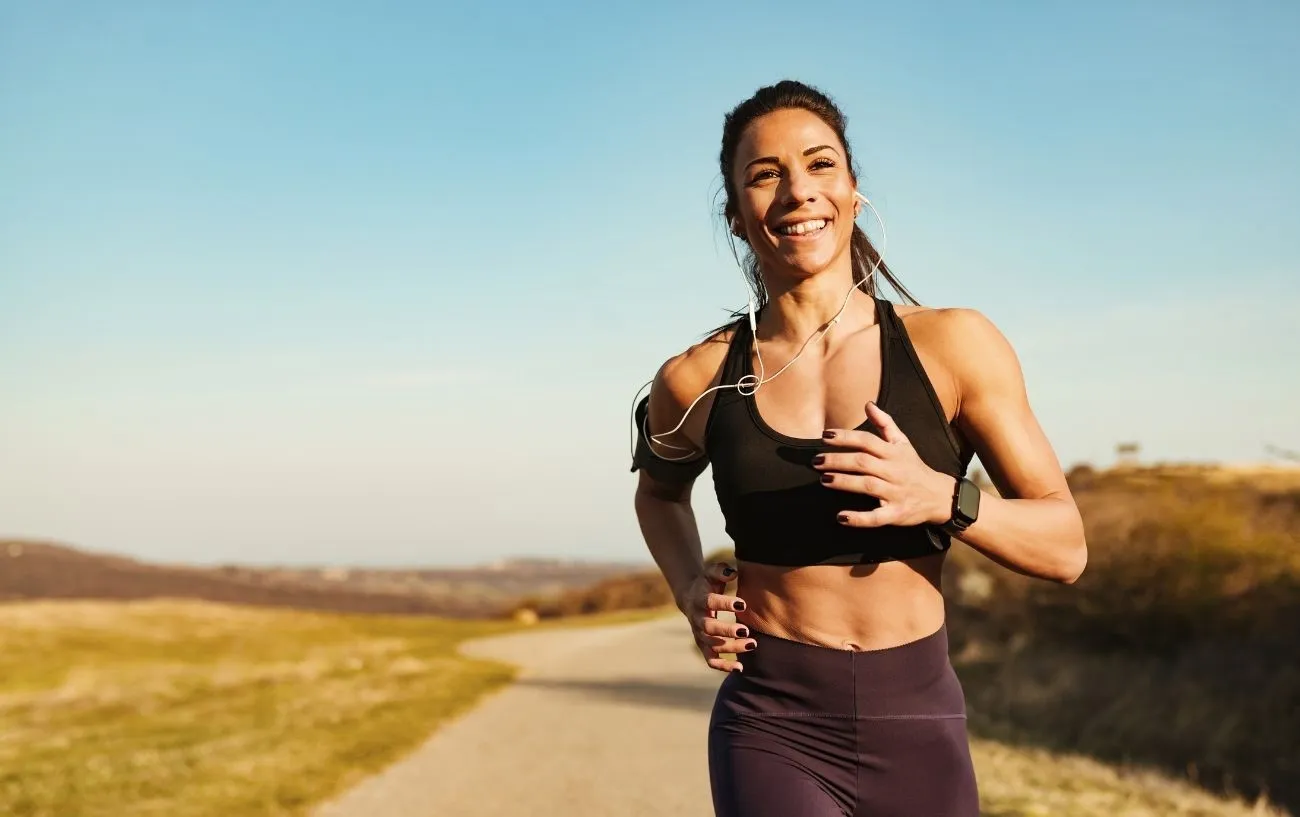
x=328 y=283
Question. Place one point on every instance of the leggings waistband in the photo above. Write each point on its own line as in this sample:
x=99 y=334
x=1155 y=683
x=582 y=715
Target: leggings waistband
x=787 y=677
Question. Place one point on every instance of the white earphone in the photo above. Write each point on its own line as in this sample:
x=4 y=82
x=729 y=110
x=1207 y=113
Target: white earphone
x=749 y=384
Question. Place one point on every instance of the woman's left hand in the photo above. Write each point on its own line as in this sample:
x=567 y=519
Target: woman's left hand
x=888 y=468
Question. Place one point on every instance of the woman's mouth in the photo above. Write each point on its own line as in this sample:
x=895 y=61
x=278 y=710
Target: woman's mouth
x=810 y=227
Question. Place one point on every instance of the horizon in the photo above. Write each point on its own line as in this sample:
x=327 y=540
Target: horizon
x=507 y=559
x=342 y=287
x=15 y=547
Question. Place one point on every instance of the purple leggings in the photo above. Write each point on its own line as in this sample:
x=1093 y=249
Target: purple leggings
x=810 y=731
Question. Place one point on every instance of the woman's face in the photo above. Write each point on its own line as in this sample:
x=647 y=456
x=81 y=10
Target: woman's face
x=794 y=192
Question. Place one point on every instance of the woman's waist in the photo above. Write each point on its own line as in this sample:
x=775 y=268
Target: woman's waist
x=843 y=607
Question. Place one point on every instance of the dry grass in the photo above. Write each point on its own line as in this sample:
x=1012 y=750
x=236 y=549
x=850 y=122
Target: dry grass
x=1172 y=663
x=1016 y=781
x=194 y=709
x=1175 y=651
x=1257 y=478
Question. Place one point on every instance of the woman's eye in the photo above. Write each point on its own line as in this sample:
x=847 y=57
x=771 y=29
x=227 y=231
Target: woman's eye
x=822 y=163
x=763 y=174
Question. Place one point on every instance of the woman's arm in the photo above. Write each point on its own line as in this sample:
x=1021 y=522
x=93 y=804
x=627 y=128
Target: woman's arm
x=663 y=508
x=669 y=464
x=667 y=521
x=1034 y=527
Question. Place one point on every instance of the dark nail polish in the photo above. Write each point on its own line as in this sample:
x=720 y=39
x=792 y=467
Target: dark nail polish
x=843 y=517
x=742 y=632
x=738 y=606
x=828 y=434
x=827 y=478
x=819 y=459
x=751 y=645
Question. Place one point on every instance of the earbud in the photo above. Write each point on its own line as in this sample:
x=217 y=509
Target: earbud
x=857 y=209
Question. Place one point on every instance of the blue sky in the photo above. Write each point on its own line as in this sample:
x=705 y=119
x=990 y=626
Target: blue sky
x=325 y=283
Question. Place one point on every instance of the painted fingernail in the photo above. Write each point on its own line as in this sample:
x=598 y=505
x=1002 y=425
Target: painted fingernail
x=828 y=434
x=749 y=646
x=843 y=517
x=738 y=606
x=742 y=632
x=826 y=478
x=819 y=459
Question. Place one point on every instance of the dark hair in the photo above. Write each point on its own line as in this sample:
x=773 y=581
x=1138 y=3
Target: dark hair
x=781 y=96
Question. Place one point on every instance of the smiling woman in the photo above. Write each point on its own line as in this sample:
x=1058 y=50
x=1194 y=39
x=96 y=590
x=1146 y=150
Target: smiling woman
x=842 y=483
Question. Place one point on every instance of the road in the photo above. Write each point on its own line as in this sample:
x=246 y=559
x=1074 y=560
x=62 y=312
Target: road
x=601 y=721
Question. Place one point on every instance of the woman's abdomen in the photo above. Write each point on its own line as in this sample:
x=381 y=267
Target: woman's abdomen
x=855 y=607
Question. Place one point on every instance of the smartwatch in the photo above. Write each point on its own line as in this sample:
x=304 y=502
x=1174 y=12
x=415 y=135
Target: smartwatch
x=965 y=507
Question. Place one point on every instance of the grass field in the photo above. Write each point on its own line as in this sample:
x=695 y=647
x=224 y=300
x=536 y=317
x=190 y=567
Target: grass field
x=1174 y=651
x=193 y=709
x=1016 y=781
x=1174 y=654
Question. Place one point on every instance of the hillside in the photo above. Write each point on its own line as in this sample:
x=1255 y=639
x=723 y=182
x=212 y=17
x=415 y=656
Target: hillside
x=1176 y=648
x=37 y=570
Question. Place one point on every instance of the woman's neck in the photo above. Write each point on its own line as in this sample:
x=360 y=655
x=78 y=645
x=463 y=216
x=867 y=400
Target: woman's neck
x=805 y=306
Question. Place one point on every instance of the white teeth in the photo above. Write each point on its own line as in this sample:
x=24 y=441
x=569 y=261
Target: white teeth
x=802 y=227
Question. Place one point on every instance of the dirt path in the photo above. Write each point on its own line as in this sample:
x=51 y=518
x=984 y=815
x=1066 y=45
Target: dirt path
x=601 y=721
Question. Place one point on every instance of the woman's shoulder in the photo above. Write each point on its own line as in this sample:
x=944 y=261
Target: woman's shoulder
x=691 y=371
x=686 y=377
x=965 y=340
x=947 y=325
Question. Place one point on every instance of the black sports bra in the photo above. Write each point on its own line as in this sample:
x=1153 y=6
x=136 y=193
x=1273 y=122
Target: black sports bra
x=776 y=509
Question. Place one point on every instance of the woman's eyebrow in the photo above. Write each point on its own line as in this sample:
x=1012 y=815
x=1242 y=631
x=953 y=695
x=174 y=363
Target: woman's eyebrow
x=773 y=160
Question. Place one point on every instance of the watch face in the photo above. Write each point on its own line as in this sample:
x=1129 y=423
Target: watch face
x=968 y=501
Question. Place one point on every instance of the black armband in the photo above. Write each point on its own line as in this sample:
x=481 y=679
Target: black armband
x=662 y=470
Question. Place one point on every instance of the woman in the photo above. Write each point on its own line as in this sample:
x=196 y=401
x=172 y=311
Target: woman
x=840 y=697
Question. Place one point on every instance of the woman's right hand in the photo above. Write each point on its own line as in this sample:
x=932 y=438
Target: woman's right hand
x=700 y=602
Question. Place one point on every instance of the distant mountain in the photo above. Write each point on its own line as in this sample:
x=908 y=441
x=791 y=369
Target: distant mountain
x=32 y=570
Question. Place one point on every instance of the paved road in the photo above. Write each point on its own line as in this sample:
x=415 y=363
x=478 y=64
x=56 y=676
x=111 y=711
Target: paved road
x=602 y=721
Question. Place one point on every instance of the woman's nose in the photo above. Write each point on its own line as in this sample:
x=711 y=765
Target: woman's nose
x=798 y=188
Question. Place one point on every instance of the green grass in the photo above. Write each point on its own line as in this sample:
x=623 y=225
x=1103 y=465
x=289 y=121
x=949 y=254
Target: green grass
x=191 y=709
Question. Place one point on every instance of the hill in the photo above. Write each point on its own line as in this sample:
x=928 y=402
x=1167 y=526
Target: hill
x=40 y=570
x=1175 y=649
